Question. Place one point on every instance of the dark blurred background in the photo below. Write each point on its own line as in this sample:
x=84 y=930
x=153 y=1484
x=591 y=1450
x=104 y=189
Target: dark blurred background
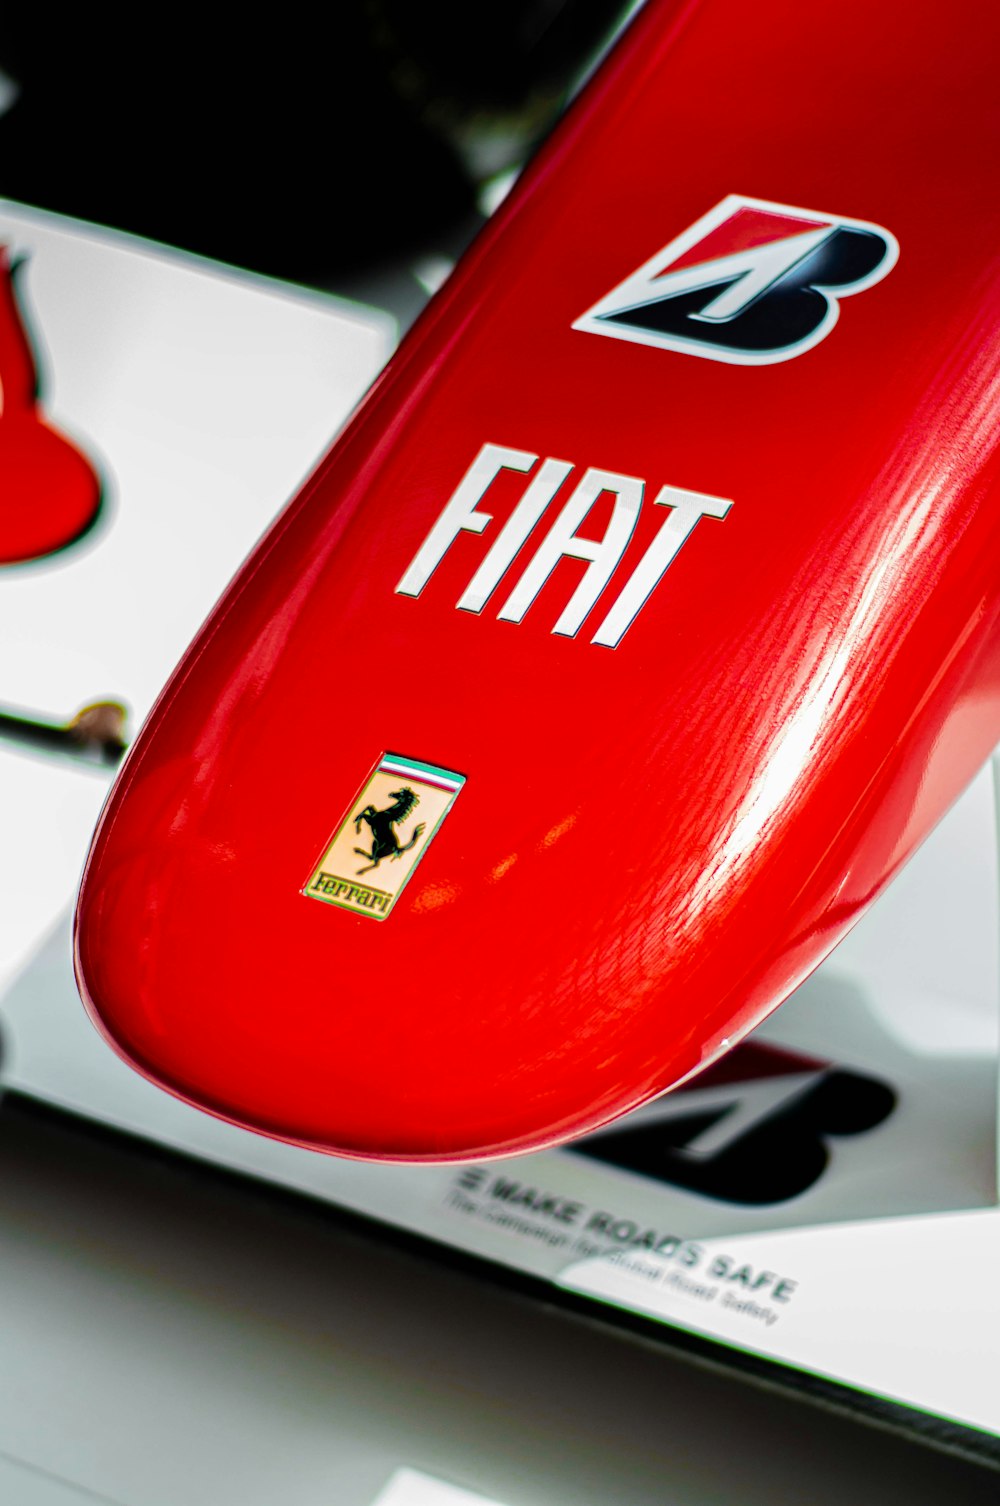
x=308 y=147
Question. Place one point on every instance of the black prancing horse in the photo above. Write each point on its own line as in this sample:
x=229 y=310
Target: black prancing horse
x=384 y=842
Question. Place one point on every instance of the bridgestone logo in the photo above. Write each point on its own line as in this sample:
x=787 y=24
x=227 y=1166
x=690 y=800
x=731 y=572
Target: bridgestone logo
x=751 y=283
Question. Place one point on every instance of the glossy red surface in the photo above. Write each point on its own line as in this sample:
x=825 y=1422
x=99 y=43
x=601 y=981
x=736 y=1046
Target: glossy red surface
x=655 y=842
x=49 y=491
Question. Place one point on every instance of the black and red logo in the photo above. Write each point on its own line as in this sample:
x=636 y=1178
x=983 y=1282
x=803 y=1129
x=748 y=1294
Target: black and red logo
x=750 y=283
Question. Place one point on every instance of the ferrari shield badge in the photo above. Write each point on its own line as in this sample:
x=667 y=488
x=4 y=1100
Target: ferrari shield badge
x=384 y=834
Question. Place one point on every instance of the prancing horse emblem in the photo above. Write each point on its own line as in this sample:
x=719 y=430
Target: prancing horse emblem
x=388 y=798
x=385 y=843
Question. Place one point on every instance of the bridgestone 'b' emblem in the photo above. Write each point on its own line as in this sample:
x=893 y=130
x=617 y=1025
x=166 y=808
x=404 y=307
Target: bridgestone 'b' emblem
x=751 y=283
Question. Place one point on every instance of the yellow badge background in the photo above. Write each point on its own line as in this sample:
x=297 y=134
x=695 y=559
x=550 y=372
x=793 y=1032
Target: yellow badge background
x=340 y=861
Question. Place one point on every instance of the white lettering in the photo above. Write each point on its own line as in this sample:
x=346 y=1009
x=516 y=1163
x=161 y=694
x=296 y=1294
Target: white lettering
x=562 y=539
x=460 y=513
x=685 y=510
x=512 y=535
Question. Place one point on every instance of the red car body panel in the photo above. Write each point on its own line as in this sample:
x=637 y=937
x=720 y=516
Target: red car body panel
x=655 y=842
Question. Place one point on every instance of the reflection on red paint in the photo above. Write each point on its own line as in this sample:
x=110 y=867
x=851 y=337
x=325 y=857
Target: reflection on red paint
x=697 y=815
x=49 y=492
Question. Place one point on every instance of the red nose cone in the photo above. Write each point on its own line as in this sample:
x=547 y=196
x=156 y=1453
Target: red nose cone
x=638 y=630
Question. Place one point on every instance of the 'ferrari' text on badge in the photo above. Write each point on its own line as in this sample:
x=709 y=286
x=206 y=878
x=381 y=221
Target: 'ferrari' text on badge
x=462 y=513
x=750 y=283
x=385 y=832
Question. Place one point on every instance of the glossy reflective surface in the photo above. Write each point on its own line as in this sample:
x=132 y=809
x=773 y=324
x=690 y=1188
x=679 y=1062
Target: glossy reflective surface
x=655 y=842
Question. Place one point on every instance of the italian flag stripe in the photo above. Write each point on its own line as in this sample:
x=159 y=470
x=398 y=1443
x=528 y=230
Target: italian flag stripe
x=445 y=779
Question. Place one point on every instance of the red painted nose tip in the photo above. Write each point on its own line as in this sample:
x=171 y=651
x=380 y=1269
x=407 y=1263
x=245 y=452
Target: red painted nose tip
x=639 y=628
